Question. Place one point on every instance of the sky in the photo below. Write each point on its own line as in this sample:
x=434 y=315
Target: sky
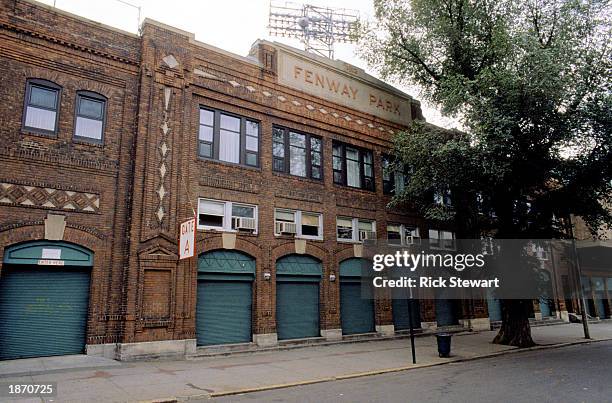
x=232 y=25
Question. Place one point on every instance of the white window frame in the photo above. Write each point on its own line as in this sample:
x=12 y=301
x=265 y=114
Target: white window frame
x=227 y=216
x=438 y=236
x=403 y=237
x=355 y=227
x=298 y=223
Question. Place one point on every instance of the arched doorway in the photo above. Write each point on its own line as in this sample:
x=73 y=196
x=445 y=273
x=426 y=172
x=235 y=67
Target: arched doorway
x=44 y=299
x=297 y=297
x=224 y=298
x=356 y=310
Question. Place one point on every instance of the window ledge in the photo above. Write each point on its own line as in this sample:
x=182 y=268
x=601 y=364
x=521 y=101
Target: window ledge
x=228 y=164
x=36 y=133
x=297 y=177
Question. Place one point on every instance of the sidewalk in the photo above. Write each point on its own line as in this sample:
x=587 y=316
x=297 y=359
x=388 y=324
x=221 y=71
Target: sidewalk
x=110 y=381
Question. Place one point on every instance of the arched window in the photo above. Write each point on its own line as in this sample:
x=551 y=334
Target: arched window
x=89 y=116
x=41 y=106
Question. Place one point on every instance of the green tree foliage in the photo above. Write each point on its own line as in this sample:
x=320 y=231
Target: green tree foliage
x=530 y=82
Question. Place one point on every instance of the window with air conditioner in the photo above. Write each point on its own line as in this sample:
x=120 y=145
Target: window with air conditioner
x=400 y=234
x=300 y=224
x=227 y=216
x=350 y=229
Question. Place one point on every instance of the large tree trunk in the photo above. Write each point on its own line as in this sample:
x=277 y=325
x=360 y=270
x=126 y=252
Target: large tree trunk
x=515 y=329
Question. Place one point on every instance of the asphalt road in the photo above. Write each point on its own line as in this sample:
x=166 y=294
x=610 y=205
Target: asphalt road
x=569 y=374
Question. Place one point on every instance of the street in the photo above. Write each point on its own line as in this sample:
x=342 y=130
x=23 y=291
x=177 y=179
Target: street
x=581 y=373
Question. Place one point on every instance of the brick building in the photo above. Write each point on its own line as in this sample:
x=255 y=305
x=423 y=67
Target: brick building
x=109 y=140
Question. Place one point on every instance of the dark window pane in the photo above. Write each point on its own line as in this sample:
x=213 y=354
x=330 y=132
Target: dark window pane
x=310 y=230
x=251 y=159
x=388 y=187
x=91 y=108
x=43 y=97
x=337 y=161
x=369 y=184
x=315 y=144
x=205 y=150
x=278 y=149
x=338 y=177
x=278 y=134
x=297 y=139
x=337 y=150
x=279 y=165
x=211 y=220
x=316 y=158
x=243 y=211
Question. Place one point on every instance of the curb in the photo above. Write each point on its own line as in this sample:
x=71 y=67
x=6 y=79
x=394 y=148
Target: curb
x=377 y=372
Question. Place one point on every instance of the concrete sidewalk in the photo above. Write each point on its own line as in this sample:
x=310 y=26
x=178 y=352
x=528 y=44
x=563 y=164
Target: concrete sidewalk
x=110 y=381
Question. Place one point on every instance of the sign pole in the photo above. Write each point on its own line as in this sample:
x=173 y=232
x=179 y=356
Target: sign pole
x=410 y=302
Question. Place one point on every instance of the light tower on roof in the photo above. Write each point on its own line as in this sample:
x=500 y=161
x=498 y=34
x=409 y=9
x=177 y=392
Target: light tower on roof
x=317 y=27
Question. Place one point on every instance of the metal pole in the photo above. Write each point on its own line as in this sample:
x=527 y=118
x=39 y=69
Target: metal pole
x=411 y=301
x=585 y=322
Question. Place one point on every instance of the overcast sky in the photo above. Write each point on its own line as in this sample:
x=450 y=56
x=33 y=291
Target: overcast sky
x=232 y=25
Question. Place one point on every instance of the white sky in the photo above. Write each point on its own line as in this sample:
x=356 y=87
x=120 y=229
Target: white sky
x=232 y=25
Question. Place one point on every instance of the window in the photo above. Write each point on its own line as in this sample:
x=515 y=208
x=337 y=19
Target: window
x=354 y=229
x=439 y=239
x=227 y=216
x=443 y=198
x=90 y=111
x=353 y=166
x=299 y=223
x=394 y=179
x=41 y=106
x=296 y=153
x=228 y=138
x=400 y=234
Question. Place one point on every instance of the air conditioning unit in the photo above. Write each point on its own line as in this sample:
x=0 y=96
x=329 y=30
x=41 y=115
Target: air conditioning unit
x=367 y=235
x=244 y=223
x=285 y=228
x=413 y=240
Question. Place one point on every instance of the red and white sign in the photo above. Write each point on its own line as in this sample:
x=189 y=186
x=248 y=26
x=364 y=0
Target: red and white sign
x=187 y=239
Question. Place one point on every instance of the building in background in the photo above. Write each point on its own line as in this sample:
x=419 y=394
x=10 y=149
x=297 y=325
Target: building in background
x=109 y=140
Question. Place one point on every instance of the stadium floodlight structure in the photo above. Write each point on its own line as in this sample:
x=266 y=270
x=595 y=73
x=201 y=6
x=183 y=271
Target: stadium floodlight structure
x=317 y=27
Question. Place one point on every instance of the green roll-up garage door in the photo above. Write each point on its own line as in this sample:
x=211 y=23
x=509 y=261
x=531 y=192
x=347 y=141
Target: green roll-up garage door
x=402 y=306
x=44 y=299
x=297 y=297
x=43 y=311
x=356 y=310
x=224 y=300
x=494 y=307
x=445 y=312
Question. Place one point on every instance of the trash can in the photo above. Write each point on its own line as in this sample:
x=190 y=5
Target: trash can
x=444 y=344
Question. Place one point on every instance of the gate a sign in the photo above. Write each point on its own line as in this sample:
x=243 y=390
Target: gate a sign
x=187 y=239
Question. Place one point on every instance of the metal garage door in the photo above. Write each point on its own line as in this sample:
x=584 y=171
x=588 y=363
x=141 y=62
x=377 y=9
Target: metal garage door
x=224 y=300
x=445 y=312
x=43 y=311
x=495 y=313
x=402 y=306
x=356 y=310
x=297 y=297
x=43 y=308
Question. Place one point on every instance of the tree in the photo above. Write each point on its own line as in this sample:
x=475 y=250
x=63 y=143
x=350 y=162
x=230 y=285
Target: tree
x=531 y=83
